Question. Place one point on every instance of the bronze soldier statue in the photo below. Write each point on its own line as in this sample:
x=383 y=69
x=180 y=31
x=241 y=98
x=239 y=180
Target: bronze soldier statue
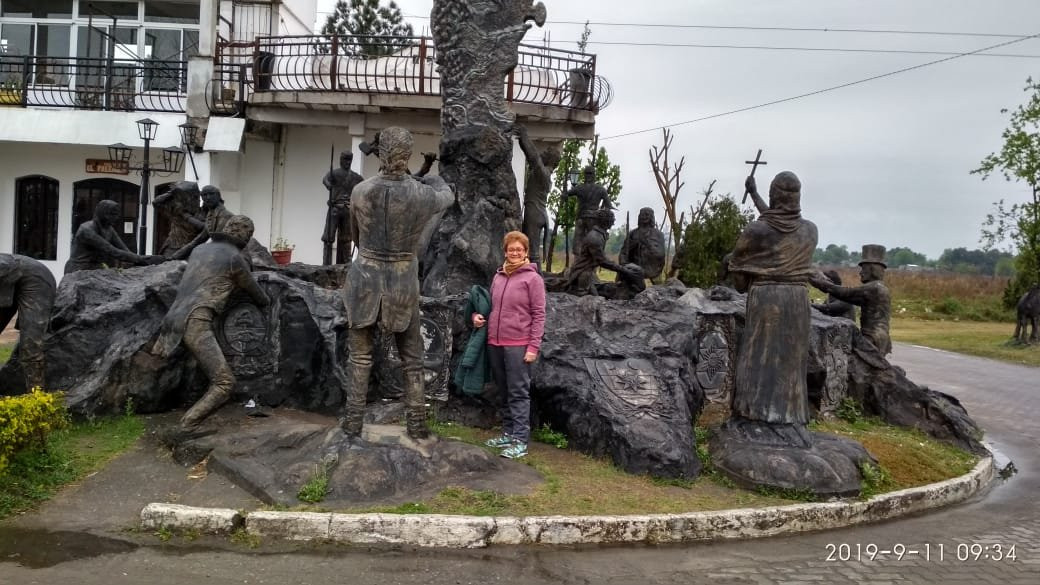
x=215 y=271
x=339 y=183
x=591 y=197
x=873 y=297
x=644 y=246
x=187 y=219
x=540 y=167
x=772 y=261
x=97 y=244
x=388 y=213
x=27 y=288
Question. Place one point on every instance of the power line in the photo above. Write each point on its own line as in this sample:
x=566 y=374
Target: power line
x=825 y=90
x=801 y=49
x=776 y=28
x=810 y=49
x=795 y=29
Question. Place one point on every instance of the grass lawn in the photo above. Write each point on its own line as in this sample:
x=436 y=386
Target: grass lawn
x=979 y=338
x=5 y=352
x=69 y=455
x=580 y=484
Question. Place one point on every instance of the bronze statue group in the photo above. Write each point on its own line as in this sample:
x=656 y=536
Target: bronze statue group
x=385 y=216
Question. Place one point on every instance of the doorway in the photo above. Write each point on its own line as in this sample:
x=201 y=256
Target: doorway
x=88 y=193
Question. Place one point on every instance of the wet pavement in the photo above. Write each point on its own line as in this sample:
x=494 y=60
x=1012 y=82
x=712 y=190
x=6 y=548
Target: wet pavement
x=89 y=540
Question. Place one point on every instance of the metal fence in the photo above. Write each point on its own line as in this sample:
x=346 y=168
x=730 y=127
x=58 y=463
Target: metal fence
x=399 y=65
x=93 y=83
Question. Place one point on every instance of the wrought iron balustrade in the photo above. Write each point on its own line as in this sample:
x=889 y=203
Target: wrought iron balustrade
x=93 y=83
x=397 y=65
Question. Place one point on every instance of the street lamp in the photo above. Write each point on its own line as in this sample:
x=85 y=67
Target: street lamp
x=189 y=134
x=573 y=175
x=172 y=162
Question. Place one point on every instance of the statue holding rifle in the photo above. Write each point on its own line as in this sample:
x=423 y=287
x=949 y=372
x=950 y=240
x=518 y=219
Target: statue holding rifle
x=340 y=183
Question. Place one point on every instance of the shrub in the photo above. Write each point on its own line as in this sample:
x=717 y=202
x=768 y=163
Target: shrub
x=27 y=420
x=949 y=306
x=544 y=434
x=848 y=410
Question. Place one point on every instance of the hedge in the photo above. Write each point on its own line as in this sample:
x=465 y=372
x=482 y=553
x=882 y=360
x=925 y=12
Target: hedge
x=27 y=419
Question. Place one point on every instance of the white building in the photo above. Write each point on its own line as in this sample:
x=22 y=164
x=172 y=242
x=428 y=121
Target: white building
x=273 y=100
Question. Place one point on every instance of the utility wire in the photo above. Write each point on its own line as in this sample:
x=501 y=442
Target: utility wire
x=774 y=28
x=825 y=90
x=794 y=29
x=810 y=49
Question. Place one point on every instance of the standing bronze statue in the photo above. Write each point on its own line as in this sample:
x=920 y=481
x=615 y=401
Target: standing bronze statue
x=767 y=442
x=772 y=262
x=187 y=218
x=644 y=245
x=388 y=215
x=215 y=271
x=540 y=166
x=873 y=297
x=27 y=288
x=591 y=197
x=98 y=245
x=339 y=183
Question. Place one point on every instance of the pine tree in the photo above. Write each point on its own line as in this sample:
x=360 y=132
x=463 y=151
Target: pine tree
x=366 y=23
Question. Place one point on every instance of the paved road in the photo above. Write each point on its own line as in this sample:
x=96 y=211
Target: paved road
x=1003 y=398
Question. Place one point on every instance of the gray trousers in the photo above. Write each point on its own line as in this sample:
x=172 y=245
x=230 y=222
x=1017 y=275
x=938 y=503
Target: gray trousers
x=513 y=378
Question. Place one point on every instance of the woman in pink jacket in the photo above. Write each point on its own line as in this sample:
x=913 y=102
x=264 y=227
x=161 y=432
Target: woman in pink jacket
x=515 y=328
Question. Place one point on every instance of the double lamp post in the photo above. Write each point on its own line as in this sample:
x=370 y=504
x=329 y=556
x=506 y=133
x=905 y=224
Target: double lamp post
x=172 y=162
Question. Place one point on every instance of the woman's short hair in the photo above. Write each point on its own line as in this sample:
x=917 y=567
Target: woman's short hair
x=516 y=237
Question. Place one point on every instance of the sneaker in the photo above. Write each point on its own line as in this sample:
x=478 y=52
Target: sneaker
x=515 y=451
x=499 y=442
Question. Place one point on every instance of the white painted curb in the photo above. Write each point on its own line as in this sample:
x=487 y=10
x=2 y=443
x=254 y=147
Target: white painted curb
x=186 y=518
x=441 y=531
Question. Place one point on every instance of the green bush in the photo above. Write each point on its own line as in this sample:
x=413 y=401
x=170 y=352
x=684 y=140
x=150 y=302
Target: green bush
x=949 y=306
x=544 y=434
x=26 y=420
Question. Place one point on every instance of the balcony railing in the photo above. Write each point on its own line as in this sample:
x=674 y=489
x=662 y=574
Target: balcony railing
x=394 y=65
x=93 y=83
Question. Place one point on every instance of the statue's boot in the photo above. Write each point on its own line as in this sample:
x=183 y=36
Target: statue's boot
x=415 y=417
x=34 y=374
x=353 y=418
x=214 y=398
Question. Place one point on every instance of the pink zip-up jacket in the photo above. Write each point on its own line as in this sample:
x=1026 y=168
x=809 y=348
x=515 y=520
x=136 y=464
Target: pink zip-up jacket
x=517 y=309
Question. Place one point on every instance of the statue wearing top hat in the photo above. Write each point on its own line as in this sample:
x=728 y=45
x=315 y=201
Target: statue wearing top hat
x=873 y=297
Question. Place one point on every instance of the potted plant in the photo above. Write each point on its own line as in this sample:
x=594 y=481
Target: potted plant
x=11 y=91
x=282 y=250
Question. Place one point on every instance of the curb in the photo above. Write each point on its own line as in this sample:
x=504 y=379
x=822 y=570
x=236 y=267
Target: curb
x=442 y=531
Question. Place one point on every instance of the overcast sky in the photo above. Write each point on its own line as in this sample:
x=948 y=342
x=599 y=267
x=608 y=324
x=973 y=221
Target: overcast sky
x=886 y=161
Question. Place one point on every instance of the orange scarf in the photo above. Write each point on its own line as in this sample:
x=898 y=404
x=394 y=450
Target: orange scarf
x=510 y=267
